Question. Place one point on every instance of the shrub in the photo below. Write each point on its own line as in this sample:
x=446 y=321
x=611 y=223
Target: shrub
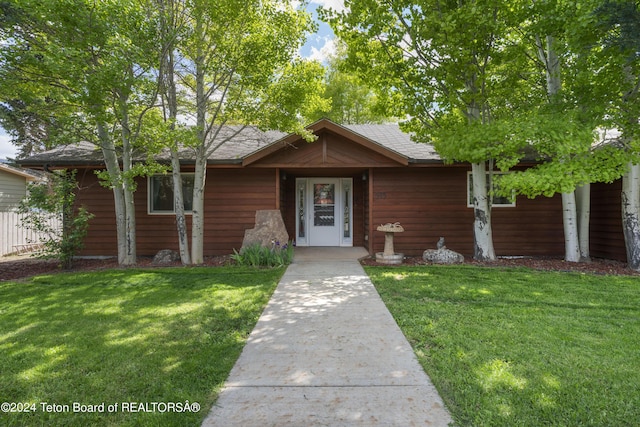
x=257 y=255
x=56 y=199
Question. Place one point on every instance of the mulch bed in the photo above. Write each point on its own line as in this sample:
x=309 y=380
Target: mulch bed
x=595 y=266
x=14 y=268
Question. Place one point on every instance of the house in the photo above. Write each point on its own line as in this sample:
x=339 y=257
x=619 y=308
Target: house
x=334 y=191
x=13 y=188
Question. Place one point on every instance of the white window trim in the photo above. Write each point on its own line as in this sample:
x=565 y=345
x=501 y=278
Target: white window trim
x=495 y=205
x=152 y=212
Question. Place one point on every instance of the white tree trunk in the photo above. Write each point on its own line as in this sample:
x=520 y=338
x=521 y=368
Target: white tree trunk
x=631 y=214
x=483 y=236
x=169 y=92
x=551 y=62
x=570 y=222
x=583 y=203
x=125 y=237
x=197 y=216
x=130 y=226
x=200 y=175
x=181 y=222
x=127 y=188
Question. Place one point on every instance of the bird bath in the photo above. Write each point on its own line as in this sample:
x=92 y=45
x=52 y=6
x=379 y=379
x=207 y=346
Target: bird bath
x=389 y=256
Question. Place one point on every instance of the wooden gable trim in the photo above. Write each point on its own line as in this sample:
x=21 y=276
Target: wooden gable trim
x=327 y=125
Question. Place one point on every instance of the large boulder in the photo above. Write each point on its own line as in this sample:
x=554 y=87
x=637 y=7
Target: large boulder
x=269 y=228
x=442 y=255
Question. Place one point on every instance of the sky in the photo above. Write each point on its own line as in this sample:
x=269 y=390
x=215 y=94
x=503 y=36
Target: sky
x=322 y=44
x=319 y=46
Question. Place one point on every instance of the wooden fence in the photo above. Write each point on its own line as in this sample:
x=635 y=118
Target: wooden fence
x=16 y=239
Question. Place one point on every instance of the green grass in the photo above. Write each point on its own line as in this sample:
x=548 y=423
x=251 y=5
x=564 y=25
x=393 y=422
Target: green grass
x=516 y=347
x=162 y=335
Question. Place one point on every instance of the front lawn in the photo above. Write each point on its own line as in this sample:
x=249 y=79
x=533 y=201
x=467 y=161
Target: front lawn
x=509 y=347
x=124 y=347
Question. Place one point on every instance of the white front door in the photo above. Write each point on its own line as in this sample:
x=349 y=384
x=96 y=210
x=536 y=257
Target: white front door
x=324 y=211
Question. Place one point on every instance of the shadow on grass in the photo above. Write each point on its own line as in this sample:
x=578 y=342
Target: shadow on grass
x=517 y=347
x=125 y=336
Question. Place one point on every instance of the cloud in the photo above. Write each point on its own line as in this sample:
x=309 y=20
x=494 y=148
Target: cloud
x=323 y=52
x=337 y=5
x=321 y=45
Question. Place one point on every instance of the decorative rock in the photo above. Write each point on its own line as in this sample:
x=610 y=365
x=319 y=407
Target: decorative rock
x=442 y=256
x=166 y=256
x=269 y=228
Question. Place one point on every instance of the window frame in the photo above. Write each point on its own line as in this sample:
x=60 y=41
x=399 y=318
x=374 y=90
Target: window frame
x=150 y=187
x=493 y=203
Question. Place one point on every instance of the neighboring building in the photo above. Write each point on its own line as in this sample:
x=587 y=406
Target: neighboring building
x=13 y=188
x=334 y=191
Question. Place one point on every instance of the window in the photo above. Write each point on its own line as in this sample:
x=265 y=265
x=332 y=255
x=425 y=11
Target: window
x=161 y=199
x=497 y=201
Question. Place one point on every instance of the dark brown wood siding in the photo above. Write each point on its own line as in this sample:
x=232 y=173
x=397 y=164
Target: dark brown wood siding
x=329 y=150
x=360 y=188
x=232 y=197
x=288 y=204
x=606 y=235
x=431 y=202
x=366 y=212
x=101 y=236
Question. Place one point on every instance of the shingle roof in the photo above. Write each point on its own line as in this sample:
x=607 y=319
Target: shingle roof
x=83 y=152
x=390 y=136
x=240 y=142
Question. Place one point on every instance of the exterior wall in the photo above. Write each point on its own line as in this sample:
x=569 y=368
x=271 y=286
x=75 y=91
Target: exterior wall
x=13 y=189
x=288 y=204
x=431 y=202
x=366 y=216
x=232 y=198
x=606 y=236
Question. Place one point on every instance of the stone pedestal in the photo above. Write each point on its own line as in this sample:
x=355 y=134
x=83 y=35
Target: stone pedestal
x=394 y=259
x=389 y=256
x=388 y=244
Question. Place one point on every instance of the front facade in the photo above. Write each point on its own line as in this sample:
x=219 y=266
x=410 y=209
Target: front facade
x=334 y=191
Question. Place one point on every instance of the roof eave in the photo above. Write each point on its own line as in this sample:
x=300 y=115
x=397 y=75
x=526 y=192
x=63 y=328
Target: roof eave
x=425 y=161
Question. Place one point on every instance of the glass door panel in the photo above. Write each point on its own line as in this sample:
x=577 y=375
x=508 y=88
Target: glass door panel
x=324 y=208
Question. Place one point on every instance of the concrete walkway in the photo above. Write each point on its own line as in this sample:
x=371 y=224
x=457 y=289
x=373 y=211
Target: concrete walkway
x=327 y=352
